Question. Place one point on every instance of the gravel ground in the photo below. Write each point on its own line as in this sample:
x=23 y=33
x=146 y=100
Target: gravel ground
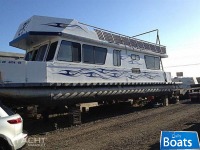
x=132 y=129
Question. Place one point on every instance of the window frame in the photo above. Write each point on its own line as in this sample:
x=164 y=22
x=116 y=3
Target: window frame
x=34 y=50
x=39 y=52
x=159 y=63
x=104 y=56
x=72 y=56
x=83 y=54
x=94 y=51
x=154 y=57
x=47 y=52
x=30 y=53
x=119 y=62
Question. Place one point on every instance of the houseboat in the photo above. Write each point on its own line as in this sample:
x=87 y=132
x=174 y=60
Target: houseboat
x=68 y=62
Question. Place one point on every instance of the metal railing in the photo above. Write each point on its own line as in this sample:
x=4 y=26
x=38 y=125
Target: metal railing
x=113 y=37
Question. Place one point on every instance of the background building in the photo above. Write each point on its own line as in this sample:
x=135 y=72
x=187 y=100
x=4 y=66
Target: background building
x=11 y=56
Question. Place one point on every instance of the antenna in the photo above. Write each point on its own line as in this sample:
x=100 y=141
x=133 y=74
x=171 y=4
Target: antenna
x=157 y=37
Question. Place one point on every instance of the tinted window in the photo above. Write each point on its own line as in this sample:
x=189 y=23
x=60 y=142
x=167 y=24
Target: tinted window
x=88 y=54
x=37 y=54
x=52 y=51
x=116 y=58
x=157 y=63
x=34 y=55
x=100 y=55
x=152 y=62
x=69 y=51
x=29 y=56
x=41 y=53
x=149 y=62
x=7 y=110
x=94 y=54
x=76 y=51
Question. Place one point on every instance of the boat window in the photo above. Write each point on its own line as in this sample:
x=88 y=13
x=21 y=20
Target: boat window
x=88 y=54
x=152 y=62
x=41 y=53
x=51 y=51
x=157 y=63
x=29 y=56
x=34 y=55
x=69 y=51
x=100 y=55
x=94 y=54
x=76 y=49
x=37 y=54
x=116 y=58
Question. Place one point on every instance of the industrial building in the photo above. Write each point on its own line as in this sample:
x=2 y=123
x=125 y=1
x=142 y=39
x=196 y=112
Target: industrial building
x=11 y=56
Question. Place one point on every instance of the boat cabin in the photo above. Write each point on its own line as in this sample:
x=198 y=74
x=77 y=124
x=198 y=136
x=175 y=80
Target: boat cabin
x=66 y=51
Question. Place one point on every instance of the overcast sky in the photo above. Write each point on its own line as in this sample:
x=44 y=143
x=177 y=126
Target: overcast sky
x=178 y=22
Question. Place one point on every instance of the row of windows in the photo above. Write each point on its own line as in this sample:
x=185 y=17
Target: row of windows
x=71 y=52
x=39 y=53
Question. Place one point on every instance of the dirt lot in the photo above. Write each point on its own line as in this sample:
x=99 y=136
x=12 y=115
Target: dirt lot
x=129 y=128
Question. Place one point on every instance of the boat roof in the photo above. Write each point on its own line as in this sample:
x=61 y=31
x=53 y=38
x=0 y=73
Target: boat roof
x=40 y=28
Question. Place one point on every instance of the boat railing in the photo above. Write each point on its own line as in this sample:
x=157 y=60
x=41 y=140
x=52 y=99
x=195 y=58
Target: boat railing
x=113 y=37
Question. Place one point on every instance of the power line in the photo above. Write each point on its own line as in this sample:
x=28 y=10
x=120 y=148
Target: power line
x=182 y=65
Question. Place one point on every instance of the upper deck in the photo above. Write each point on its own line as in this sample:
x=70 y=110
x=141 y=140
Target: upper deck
x=38 y=29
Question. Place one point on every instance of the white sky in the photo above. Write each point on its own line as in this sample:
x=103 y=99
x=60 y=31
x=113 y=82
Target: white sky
x=184 y=54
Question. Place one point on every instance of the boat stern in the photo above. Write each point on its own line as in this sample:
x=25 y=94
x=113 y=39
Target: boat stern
x=20 y=71
x=12 y=71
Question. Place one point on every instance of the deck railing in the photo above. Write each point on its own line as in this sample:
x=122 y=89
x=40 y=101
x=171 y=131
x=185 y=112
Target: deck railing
x=117 y=38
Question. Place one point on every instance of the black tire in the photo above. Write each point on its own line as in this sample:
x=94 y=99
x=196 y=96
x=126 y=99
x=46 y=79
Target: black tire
x=4 y=145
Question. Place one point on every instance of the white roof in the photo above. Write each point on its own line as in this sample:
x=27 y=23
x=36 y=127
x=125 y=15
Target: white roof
x=39 y=28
